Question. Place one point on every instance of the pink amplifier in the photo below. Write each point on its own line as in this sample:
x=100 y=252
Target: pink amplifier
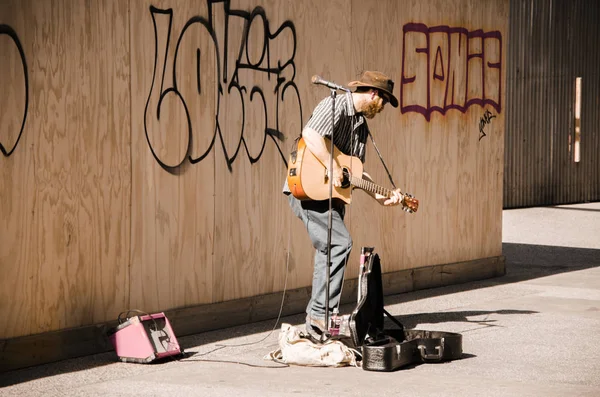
x=145 y=338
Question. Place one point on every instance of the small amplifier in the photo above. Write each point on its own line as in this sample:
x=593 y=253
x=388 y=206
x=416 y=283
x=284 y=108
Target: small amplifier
x=144 y=338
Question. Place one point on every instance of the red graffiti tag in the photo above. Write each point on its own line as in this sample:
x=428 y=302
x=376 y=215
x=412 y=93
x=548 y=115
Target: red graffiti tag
x=447 y=68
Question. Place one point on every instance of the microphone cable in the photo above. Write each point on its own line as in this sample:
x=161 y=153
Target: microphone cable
x=223 y=346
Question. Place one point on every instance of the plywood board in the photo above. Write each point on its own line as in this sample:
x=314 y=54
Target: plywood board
x=174 y=85
x=67 y=183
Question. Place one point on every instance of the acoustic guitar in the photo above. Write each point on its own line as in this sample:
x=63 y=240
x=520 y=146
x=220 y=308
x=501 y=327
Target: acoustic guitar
x=307 y=178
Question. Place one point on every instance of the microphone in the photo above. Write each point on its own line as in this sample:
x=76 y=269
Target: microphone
x=316 y=79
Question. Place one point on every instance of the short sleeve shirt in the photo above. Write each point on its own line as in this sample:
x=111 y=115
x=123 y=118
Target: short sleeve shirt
x=350 y=130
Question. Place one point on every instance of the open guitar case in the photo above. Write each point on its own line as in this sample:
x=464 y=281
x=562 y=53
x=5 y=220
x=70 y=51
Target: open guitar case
x=391 y=349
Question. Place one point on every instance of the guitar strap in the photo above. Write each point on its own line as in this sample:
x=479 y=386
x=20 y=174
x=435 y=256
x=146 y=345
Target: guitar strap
x=382 y=162
x=352 y=113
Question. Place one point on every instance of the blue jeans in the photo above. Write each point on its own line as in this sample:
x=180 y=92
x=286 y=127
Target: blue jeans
x=315 y=216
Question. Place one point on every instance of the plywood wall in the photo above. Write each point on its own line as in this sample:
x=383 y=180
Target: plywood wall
x=454 y=51
x=145 y=145
x=65 y=187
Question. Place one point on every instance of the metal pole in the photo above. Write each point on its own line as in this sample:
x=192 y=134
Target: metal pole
x=328 y=271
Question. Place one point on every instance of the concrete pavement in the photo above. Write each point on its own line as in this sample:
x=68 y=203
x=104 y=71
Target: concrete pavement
x=533 y=332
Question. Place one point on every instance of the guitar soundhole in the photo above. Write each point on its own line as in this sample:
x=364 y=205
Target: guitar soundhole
x=346 y=179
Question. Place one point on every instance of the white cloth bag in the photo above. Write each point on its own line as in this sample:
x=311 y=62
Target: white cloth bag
x=295 y=349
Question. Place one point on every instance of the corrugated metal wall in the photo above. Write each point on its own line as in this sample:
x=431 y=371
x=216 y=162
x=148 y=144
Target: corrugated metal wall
x=551 y=43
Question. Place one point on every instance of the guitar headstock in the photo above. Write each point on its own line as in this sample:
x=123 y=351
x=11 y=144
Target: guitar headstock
x=409 y=203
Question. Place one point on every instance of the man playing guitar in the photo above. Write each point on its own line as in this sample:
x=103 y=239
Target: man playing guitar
x=307 y=199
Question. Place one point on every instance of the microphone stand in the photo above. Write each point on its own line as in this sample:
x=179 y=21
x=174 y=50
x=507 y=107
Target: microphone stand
x=333 y=88
x=330 y=220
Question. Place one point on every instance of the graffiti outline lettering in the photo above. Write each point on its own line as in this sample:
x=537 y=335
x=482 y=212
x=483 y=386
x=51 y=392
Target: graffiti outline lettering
x=234 y=85
x=448 y=72
x=10 y=32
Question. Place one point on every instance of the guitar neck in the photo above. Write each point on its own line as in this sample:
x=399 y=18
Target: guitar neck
x=370 y=187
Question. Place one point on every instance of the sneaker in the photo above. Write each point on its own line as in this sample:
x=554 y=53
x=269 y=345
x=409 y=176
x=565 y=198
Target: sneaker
x=315 y=327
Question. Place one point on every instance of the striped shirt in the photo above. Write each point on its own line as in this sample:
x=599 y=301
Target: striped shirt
x=349 y=139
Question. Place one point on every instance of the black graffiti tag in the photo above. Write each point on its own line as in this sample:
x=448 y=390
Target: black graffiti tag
x=233 y=83
x=485 y=119
x=10 y=32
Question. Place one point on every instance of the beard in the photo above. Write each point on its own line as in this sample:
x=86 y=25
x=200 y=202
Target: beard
x=373 y=108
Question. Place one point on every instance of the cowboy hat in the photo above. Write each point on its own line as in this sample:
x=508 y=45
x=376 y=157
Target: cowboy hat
x=378 y=81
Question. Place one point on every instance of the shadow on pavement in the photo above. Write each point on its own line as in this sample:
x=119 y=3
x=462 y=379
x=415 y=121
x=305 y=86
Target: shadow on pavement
x=62 y=367
x=523 y=262
x=571 y=208
x=411 y=321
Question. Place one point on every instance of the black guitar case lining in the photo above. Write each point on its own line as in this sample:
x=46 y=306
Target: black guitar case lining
x=391 y=349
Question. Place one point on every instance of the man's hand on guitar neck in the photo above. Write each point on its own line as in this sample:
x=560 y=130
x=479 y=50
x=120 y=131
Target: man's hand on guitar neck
x=394 y=200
